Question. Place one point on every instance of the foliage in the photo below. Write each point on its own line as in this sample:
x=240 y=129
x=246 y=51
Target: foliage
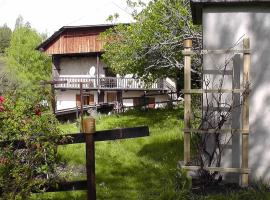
x=151 y=47
x=24 y=117
x=25 y=170
x=26 y=66
x=5 y=36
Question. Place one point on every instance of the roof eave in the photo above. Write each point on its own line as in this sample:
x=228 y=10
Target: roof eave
x=198 y=5
x=42 y=47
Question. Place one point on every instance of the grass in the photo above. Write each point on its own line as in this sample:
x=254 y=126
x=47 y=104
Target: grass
x=128 y=169
x=138 y=169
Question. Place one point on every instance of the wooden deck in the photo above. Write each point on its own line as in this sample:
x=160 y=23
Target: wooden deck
x=109 y=83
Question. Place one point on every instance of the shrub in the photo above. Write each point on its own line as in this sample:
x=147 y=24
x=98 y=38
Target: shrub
x=25 y=170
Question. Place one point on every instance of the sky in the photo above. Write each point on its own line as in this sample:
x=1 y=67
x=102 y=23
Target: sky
x=47 y=16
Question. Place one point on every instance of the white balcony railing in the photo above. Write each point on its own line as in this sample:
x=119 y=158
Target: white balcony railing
x=108 y=83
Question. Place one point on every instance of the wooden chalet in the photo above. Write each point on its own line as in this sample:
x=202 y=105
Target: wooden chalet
x=76 y=52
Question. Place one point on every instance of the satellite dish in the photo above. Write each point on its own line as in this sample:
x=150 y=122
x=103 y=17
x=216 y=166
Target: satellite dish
x=92 y=71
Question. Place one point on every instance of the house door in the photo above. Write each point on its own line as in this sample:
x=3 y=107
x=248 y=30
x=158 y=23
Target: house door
x=87 y=100
x=111 y=97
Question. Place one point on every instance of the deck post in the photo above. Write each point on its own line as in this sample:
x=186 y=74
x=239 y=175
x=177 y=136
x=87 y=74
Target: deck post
x=245 y=110
x=89 y=129
x=81 y=98
x=187 y=99
x=53 y=102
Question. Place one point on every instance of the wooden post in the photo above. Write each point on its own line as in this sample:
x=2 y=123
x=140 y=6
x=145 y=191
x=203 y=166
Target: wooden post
x=245 y=110
x=97 y=76
x=81 y=97
x=53 y=98
x=187 y=98
x=89 y=128
x=144 y=100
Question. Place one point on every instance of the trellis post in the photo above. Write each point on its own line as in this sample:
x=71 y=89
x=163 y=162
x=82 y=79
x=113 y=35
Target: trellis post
x=245 y=110
x=187 y=98
x=89 y=129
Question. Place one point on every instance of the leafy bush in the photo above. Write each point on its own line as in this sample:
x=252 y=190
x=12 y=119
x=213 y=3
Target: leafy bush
x=25 y=170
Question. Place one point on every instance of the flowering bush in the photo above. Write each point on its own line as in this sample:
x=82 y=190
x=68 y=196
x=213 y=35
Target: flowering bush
x=2 y=99
x=25 y=170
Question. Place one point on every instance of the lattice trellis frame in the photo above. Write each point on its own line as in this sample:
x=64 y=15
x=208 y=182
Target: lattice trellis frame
x=244 y=131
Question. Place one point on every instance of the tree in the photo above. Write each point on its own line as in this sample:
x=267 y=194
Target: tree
x=26 y=67
x=19 y=22
x=5 y=36
x=151 y=47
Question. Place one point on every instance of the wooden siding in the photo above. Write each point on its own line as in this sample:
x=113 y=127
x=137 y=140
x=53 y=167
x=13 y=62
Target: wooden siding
x=76 y=41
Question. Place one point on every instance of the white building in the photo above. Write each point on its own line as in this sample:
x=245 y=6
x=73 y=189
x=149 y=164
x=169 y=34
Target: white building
x=224 y=22
x=76 y=52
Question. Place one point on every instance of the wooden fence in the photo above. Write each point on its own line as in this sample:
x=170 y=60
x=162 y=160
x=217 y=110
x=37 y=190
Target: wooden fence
x=89 y=137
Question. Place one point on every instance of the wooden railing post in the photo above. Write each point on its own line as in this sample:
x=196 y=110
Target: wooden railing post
x=245 y=110
x=187 y=98
x=89 y=128
x=82 y=101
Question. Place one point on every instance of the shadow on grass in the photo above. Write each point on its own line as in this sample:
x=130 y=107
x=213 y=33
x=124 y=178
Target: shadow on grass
x=168 y=152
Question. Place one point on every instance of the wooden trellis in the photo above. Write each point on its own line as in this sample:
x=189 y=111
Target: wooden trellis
x=244 y=170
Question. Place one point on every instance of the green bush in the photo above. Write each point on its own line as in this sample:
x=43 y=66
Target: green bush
x=25 y=170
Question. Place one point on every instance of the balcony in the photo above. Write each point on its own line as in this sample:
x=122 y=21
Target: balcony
x=109 y=83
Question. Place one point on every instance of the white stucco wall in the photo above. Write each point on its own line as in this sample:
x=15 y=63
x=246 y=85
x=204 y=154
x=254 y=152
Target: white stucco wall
x=222 y=27
x=80 y=66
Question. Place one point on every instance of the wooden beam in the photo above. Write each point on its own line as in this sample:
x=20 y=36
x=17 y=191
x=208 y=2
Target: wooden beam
x=53 y=100
x=219 y=169
x=75 y=138
x=53 y=82
x=245 y=111
x=202 y=91
x=124 y=133
x=218 y=51
x=226 y=130
x=82 y=102
x=225 y=51
x=217 y=72
x=187 y=97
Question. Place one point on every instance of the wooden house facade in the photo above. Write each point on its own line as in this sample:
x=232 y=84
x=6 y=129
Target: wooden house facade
x=76 y=53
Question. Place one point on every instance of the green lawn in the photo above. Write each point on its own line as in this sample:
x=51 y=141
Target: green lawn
x=128 y=169
x=138 y=169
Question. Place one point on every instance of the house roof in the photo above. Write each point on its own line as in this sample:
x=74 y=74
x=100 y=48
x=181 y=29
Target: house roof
x=198 y=5
x=44 y=44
